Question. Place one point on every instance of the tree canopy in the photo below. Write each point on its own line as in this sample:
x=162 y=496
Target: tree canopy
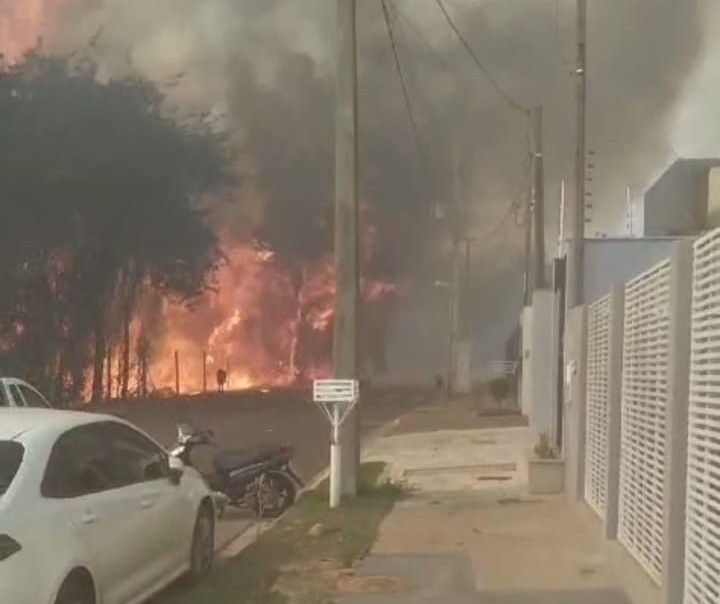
x=99 y=202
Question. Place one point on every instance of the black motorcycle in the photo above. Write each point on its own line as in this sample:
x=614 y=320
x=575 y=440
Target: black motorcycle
x=259 y=478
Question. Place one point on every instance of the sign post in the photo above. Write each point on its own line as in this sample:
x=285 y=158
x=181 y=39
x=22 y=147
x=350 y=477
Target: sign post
x=336 y=399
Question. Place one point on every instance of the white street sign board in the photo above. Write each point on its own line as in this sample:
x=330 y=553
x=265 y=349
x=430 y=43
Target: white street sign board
x=335 y=391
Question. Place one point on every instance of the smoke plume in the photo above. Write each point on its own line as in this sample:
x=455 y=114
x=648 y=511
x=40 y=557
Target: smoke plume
x=267 y=68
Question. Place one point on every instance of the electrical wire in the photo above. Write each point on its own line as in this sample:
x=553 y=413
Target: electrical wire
x=513 y=207
x=558 y=38
x=419 y=33
x=486 y=72
x=403 y=83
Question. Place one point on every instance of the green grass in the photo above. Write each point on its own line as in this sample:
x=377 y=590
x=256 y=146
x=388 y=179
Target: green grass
x=347 y=535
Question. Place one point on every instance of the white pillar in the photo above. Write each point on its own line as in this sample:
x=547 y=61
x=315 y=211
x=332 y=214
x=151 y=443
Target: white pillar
x=676 y=424
x=614 y=400
x=335 y=478
x=575 y=413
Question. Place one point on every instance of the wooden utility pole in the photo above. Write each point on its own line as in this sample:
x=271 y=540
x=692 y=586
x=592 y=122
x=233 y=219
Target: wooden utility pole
x=347 y=270
x=177 y=372
x=109 y=372
x=466 y=323
x=539 y=201
x=528 y=217
x=204 y=371
x=576 y=255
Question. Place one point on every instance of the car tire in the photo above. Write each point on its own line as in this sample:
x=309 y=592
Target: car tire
x=76 y=590
x=202 y=551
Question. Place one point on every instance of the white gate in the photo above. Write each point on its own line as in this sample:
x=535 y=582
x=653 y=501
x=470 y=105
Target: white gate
x=596 y=405
x=702 y=548
x=644 y=390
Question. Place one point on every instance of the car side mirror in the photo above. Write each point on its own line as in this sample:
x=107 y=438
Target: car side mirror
x=177 y=469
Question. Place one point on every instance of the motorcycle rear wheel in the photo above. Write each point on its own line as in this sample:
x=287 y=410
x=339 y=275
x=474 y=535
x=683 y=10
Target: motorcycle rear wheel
x=275 y=493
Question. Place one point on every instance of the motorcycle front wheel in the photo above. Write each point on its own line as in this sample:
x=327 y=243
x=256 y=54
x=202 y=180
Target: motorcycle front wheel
x=274 y=493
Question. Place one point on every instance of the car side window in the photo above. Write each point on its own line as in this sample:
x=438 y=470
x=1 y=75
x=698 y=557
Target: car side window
x=4 y=402
x=78 y=465
x=135 y=459
x=32 y=398
x=17 y=395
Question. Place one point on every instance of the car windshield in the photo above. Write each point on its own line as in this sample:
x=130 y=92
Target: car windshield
x=11 y=456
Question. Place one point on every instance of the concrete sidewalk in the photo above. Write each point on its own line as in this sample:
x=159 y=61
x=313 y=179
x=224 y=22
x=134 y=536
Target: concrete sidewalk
x=470 y=533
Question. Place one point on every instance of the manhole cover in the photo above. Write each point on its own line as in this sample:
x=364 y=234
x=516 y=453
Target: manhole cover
x=372 y=585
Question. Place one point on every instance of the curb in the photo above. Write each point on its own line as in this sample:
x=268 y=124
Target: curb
x=248 y=536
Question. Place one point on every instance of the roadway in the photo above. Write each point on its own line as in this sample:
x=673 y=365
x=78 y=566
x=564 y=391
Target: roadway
x=245 y=419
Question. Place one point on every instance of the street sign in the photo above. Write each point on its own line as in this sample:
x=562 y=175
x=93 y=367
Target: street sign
x=335 y=391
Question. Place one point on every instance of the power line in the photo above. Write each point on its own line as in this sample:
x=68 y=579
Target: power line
x=488 y=75
x=558 y=37
x=403 y=81
x=419 y=33
x=512 y=208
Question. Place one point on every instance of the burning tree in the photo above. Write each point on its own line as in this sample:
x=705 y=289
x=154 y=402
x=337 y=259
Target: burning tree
x=100 y=192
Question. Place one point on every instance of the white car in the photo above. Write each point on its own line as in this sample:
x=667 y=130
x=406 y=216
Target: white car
x=17 y=393
x=93 y=511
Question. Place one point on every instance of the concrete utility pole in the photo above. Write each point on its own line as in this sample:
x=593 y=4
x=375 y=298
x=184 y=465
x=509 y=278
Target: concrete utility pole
x=454 y=291
x=539 y=201
x=347 y=270
x=454 y=316
x=576 y=255
x=463 y=381
x=561 y=222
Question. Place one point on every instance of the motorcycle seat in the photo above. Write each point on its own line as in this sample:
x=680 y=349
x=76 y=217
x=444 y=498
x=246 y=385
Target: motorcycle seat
x=228 y=461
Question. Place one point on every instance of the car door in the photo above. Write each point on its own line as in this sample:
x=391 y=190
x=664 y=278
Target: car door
x=167 y=508
x=107 y=520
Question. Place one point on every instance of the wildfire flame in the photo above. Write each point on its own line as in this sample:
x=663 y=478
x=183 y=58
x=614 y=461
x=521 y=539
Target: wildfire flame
x=22 y=24
x=264 y=325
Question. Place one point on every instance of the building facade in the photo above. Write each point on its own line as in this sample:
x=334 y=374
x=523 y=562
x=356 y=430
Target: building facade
x=681 y=200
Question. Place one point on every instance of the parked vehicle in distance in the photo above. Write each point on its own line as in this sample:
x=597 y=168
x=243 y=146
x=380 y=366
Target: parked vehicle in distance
x=259 y=478
x=94 y=511
x=18 y=393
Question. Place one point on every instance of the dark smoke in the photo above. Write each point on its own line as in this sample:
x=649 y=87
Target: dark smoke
x=268 y=67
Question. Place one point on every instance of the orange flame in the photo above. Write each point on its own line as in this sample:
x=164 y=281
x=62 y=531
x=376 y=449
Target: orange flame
x=22 y=24
x=253 y=326
x=264 y=325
